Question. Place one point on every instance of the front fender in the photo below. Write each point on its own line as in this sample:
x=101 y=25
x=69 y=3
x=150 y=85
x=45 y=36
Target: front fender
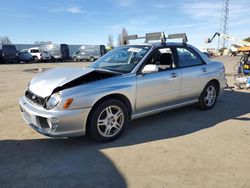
x=86 y=96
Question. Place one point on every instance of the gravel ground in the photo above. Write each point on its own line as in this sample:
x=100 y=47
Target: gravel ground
x=178 y=148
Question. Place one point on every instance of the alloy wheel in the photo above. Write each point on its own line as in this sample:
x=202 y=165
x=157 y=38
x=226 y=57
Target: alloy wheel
x=210 y=96
x=110 y=121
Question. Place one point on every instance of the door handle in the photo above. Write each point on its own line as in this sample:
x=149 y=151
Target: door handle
x=204 y=69
x=174 y=75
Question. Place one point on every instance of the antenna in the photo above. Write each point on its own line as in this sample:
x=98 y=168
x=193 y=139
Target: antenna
x=223 y=23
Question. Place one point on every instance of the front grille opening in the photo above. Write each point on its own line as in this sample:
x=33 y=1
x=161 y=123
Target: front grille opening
x=35 y=99
x=43 y=122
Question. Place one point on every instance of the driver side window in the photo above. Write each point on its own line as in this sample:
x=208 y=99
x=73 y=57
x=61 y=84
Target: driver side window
x=163 y=58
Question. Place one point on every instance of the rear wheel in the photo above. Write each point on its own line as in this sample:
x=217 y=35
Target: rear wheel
x=91 y=59
x=108 y=120
x=35 y=58
x=208 y=97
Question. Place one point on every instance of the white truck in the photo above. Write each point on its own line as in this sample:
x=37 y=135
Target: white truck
x=38 y=55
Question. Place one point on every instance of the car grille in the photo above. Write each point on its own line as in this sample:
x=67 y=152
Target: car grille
x=34 y=98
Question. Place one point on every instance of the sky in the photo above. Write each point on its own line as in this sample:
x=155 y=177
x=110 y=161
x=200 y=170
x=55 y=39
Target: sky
x=91 y=21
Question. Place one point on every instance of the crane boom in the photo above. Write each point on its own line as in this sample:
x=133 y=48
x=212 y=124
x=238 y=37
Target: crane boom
x=227 y=37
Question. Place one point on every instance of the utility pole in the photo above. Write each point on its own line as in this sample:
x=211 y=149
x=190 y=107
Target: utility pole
x=223 y=23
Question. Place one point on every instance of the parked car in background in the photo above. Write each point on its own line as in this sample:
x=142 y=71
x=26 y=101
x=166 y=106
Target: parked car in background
x=8 y=53
x=89 y=53
x=101 y=99
x=37 y=54
x=58 y=52
x=45 y=56
x=24 y=57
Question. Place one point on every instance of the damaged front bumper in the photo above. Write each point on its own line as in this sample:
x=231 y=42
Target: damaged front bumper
x=54 y=123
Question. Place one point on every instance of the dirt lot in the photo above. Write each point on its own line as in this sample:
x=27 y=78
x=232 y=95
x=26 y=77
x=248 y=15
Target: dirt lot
x=179 y=148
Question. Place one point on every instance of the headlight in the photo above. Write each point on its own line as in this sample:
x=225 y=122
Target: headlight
x=53 y=101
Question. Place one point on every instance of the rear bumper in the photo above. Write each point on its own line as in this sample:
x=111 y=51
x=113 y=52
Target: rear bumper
x=223 y=85
x=54 y=123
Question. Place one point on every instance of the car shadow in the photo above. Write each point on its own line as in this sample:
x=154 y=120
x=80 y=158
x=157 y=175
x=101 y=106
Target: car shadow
x=187 y=120
x=81 y=162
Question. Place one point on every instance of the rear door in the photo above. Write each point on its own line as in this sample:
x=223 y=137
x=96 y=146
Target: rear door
x=194 y=73
x=159 y=89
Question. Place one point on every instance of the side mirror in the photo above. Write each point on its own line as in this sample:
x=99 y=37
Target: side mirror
x=150 y=68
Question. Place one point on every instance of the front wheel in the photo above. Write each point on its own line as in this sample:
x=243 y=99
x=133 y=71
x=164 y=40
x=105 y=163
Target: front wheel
x=108 y=120
x=208 y=97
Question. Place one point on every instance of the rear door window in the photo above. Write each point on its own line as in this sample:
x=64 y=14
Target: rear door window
x=187 y=58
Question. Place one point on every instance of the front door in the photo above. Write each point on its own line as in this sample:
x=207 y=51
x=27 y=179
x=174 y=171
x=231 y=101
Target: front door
x=159 y=89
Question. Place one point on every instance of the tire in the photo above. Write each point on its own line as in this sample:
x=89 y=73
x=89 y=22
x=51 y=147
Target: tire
x=35 y=59
x=75 y=59
x=107 y=120
x=208 y=96
x=91 y=59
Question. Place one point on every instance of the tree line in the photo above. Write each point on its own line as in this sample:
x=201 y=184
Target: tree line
x=110 y=43
x=5 y=40
x=121 y=40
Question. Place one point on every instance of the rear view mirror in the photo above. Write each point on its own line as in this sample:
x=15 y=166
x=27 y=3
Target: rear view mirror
x=150 y=68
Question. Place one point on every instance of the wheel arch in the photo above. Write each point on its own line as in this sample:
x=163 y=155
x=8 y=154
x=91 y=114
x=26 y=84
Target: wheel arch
x=217 y=83
x=117 y=96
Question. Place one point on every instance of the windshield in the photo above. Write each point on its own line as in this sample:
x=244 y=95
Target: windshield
x=122 y=59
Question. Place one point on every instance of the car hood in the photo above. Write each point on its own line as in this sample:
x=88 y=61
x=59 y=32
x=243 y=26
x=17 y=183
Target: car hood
x=44 y=83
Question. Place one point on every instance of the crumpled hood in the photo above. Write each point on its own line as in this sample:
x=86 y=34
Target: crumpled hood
x=44 y=83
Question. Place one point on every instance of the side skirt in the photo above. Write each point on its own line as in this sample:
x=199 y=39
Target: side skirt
x=155 y=111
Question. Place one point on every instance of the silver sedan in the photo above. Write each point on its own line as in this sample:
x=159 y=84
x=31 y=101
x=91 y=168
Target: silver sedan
x=101 y=99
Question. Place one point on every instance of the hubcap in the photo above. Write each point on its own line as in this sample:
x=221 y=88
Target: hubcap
x=210 y=96
x=110 y=121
